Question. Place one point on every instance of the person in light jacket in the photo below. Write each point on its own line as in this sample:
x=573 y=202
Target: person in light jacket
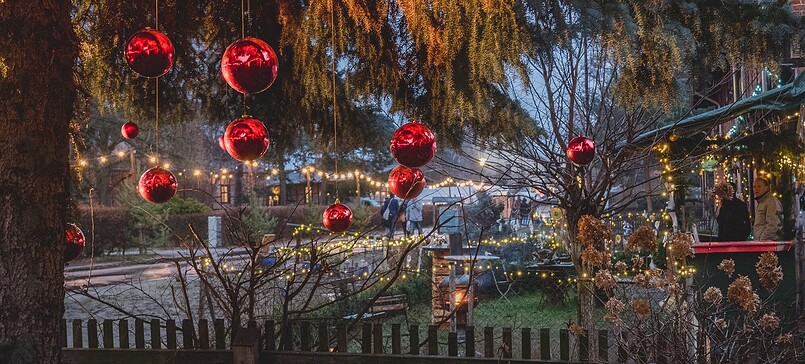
x=768 y=213
x=413 y=214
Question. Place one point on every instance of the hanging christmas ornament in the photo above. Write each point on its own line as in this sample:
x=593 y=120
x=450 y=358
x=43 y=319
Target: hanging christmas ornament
x=246 y=139
x=249 y=65
x=413 y=145
x=337 y=218
x=74 y=240
x=221 y=142
x=581 y=150
x=157 y=185
x=406 y=182
x=130 y=130
x=150 y=53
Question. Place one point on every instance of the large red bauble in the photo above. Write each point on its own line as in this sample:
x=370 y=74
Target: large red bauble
x=129 y=130
x=581 y=150
x=150 y=53
x=74 y=239
x=246 y=139
x=406 y=182
x=249 y=65
x=337 y=218
x=157 y=185
x=413 y=145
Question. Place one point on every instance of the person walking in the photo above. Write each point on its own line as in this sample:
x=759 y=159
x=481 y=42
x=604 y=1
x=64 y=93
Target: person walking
x=414 y=216
x=389 y=213
x=525 y=212
x=733 y=216
x=768 y=212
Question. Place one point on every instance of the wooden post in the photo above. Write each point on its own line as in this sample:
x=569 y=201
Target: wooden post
x=452 y=344
x=92 y=333
x=123 y=330
x=63 y=333
x=396 y=342
x=341 y=336
x=545 y=344
x=108 y=335
x=220 y=334
x=304 y=330
x=378 y=338
x=526 y=343
x=324 y=337
x=433 y=340
x=489 y=342
x=170 y=331
x=203 y=335
x=139 y=334
x=469 y=341
x=366 y=338
x=156 y=335
x=187 y=334
x=245 y=348
x=584 y=346
x=507 y=342
x=603 y=346
x=564 y=345
x=413 y=339
x=78 y=335
x=269 y=336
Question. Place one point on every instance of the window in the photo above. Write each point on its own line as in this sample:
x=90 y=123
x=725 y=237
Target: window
x=224 y=194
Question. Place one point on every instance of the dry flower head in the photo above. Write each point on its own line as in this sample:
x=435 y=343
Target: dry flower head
x=593 y=257
x=769 y=322
x=740 y=291
x=643 y=238
x=680 y=245
x=621 y=267
x=604 y=280
x=641 y=307
x=713 y=295
x=614 y=308
x=593 y=231
x=575 y=330
x=728 y=266
x=769 y=272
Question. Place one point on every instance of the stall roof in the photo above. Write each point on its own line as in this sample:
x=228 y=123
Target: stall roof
x=786 y=97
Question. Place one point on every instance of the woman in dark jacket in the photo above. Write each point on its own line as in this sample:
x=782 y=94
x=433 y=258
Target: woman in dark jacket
x=733 y=217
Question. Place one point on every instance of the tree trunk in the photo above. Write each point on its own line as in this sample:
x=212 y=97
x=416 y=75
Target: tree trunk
x=37 y=94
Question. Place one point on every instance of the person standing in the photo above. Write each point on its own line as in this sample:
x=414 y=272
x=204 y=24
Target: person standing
x=414 y=215
x=389 y=213
x=733 y=216
x=525 y=212
x=768 y=212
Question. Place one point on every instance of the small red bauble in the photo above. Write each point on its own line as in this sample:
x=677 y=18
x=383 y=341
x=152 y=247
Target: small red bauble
x=406 y=182
x=246 y=139
x=337 y=218
x=221 y=142
x=74 y=239
x=157 y=185
x=413 y=145
x=249 y=65
x=581 y=150
x=129 y=130
x=150 y=53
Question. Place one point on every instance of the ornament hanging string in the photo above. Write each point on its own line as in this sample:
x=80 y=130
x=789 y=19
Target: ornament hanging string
x=156 y=87
x=335 y=120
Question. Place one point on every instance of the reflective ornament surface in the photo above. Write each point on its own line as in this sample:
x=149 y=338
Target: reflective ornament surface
x=246 y=139
x=337 y=218
x=149 y=53
x=249 y=65
x=581 y=150
x=130 y=130
x=157 y=185
x=413 y=145
x=406 y=183
x=74 y=240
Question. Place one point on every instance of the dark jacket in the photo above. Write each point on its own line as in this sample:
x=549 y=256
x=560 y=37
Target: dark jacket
x=733 y=221
x=393 y=206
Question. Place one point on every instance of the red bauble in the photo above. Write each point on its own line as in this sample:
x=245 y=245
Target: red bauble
x=413 y=145
x=74 y=239
x=129 y=130
x=149 y=53
x=337 y=218
x=249 y=65
x=221 y=143
x=157 y=185
x=406 y=182
x=581 y=150
x=246 y=139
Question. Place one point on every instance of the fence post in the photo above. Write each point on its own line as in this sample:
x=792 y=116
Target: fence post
x=396 y=342
x=341 y=333
x=413 y=339
x=170 y=332
x=452 y=344
x=366 y=338
x=220 y=334
x=139 y=334
x=526 y=343
x=187 y=334
x=203 y=335
x=304 y=330
x=324 y=336
x=433 y=340
x=469 y=340
x=564 y=345
x=123 y=330
x=92 y=333
x=245 y=348
x=489 y=342
x=545 y=344
x=378 y=338
x=507 y=342
x=270 y=337
x=108 y=335
x=156 y=335
x=584 y=346
x=63 y=333
x=78 y=335
x=603 y=345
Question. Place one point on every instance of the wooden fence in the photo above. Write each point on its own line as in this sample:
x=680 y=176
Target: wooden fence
x=322 y=342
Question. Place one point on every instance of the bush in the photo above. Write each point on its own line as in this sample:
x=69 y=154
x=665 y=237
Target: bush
x=110 y=229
